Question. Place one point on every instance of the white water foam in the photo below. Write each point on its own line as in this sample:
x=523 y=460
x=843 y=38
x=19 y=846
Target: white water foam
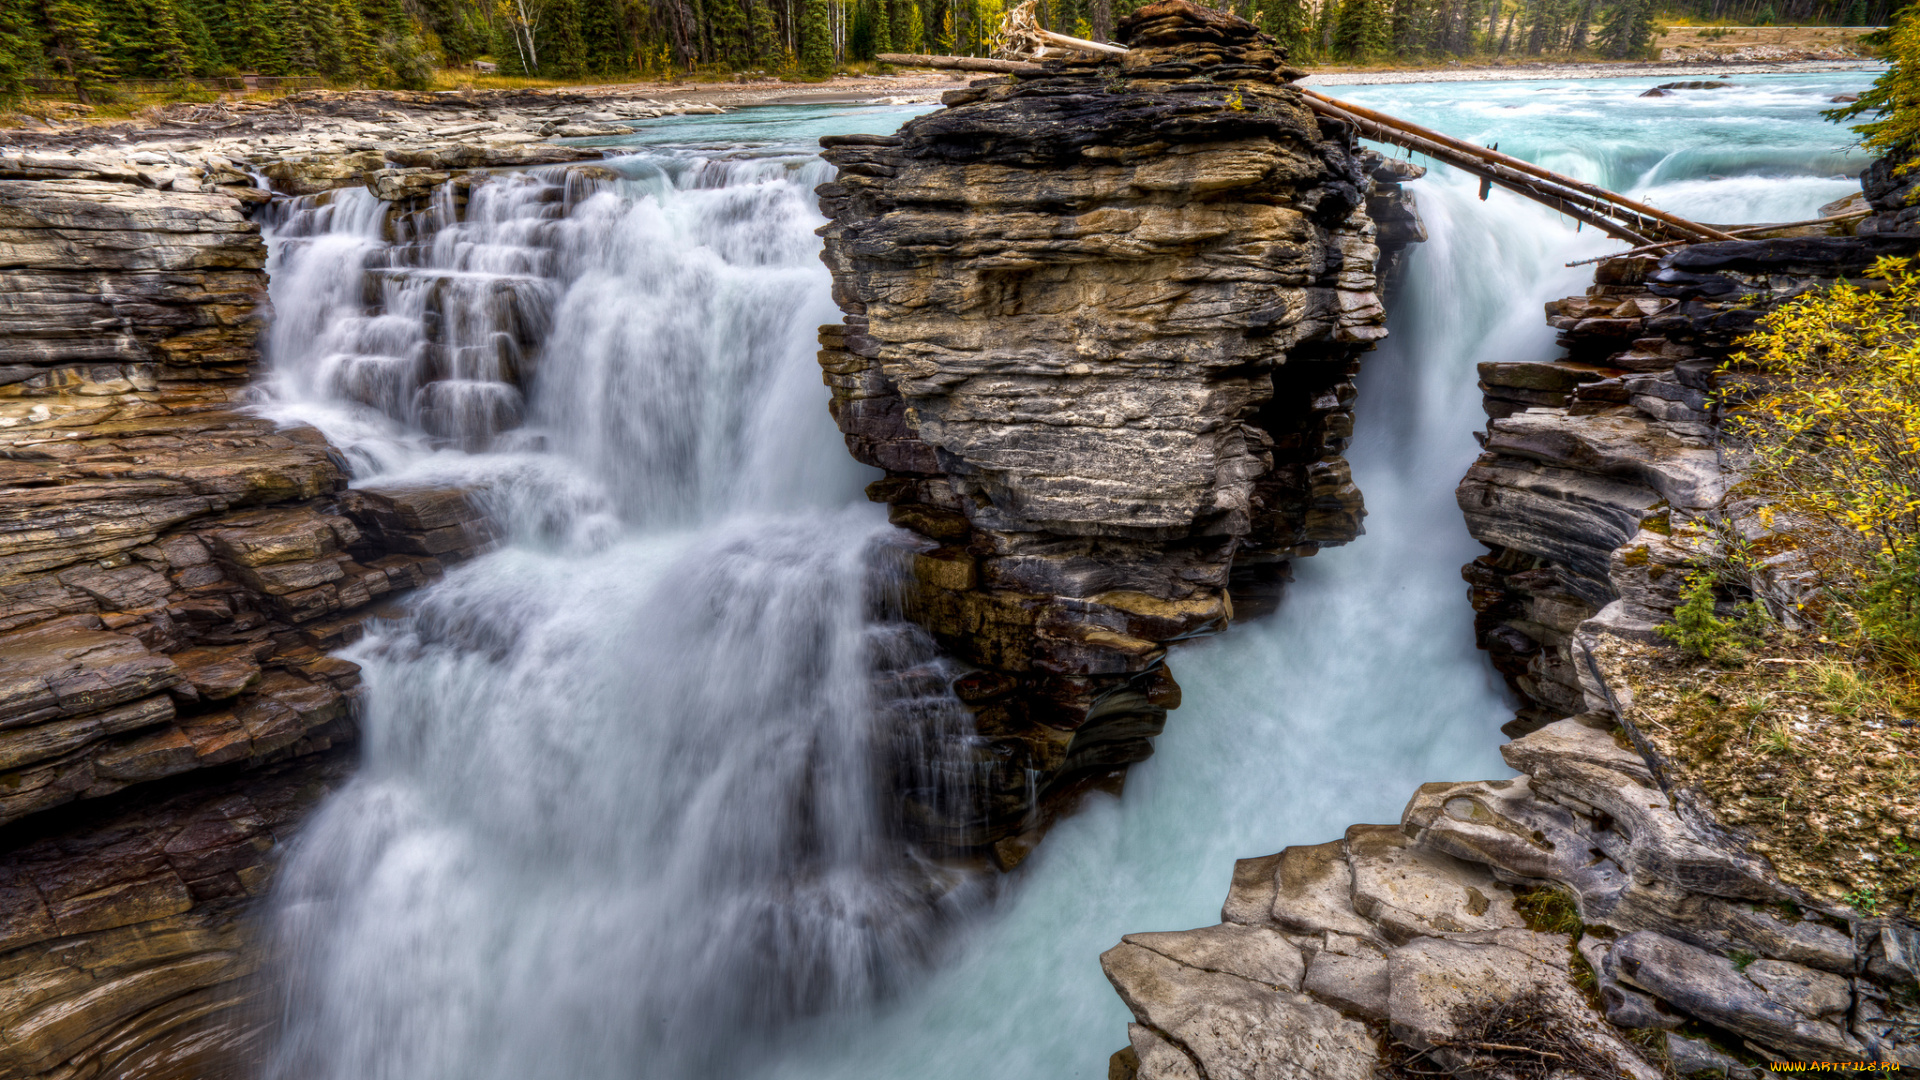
x=619 y=803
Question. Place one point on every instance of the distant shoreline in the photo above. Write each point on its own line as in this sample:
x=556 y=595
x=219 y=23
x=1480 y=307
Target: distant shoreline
x=923 y=87
x=1530 y=72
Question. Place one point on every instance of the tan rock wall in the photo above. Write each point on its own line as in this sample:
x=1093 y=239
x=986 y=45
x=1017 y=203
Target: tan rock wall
x=172 y=572
x=1101 y=325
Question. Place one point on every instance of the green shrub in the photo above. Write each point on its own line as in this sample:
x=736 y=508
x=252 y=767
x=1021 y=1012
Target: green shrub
x=1700 y=632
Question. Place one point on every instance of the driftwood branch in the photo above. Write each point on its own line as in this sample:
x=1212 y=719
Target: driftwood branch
x=1081 y=44
x=960 y=63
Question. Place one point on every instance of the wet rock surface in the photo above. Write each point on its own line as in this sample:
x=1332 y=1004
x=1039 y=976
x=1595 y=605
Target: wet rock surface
x=1101 y=329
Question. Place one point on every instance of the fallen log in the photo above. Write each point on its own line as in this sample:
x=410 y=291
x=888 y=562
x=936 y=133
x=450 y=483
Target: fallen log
x=1081 y=44
x=960 y=63
x=1741 y=232
x=1495 y=157
x=1581 y=208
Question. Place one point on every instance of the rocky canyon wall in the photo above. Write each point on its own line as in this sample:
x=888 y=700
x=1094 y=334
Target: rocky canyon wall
x=1101 y=328
x=1601 y=906
x=173 y=572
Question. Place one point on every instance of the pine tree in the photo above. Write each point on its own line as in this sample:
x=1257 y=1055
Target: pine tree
x=732 y=31
x=1582 y=23
x=1361 y=30
x=603 y=26
x=146 y=39
x=766 y=35
x=75 y=45
x=1545 y=26
x=898 y=31
x=1407 y=22
x=17 y=48
x=816 y=42
x=262 y=30
x=203 y=52
x=882 y=28
x=562 y=49
x=1291 y=25
x=358 y=55
x=1627 y=30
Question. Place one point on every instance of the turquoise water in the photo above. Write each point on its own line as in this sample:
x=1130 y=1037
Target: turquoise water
x=1754 y=151
x=764 y=126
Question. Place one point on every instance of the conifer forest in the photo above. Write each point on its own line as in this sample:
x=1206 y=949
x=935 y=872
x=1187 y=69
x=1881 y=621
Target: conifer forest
x=399 y=43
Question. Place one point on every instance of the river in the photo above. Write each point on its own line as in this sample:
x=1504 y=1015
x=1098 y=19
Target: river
x=614 y=817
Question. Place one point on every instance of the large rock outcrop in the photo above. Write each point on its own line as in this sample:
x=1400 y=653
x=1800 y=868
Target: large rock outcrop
x=1101 y=324
x=1580 y=887
x=172 y=572
x=1607 y=452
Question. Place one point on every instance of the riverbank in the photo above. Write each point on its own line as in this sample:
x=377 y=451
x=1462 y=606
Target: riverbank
x=69 y=129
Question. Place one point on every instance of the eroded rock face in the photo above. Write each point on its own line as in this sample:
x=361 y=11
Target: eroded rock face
x=1397 y=929
x=1889 y=195
x=1594 y=463
x=1101 y=326
x=1604 y=485
x=1601 y=484
x=172 y=572
x=126 y=936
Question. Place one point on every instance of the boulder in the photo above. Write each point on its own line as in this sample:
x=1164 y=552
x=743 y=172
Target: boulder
x=1795 y=1010
x=1233 y=1027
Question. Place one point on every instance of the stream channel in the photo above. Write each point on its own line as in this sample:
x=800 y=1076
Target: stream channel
x=614 y=817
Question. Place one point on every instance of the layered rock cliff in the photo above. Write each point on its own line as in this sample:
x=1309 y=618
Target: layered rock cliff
x=1604 y=906
x=1101 y=326
x=173 y=570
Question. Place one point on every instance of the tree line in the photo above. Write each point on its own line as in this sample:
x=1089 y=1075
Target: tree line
x=399 y=43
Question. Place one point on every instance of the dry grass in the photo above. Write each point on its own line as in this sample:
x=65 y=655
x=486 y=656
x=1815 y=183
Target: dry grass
x=1810 y=751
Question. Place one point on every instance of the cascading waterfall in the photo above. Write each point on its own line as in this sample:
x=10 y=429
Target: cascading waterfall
x=620 y=799
x=616 y=814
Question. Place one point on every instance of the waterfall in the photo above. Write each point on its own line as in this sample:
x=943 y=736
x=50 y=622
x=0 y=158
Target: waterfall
x=1365 y=683
x=617 y=812
x=620 y=806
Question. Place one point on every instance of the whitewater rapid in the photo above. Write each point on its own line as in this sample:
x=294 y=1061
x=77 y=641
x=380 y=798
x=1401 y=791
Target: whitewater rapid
x=615 y=815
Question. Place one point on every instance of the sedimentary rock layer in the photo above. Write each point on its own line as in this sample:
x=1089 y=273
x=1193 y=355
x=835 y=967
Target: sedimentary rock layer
x=1603 y=484
x=172 y=572
x=1100 y=328
x=1608 y=451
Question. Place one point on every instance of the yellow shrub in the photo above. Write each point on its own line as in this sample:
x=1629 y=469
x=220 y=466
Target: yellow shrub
x=1834 y=425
